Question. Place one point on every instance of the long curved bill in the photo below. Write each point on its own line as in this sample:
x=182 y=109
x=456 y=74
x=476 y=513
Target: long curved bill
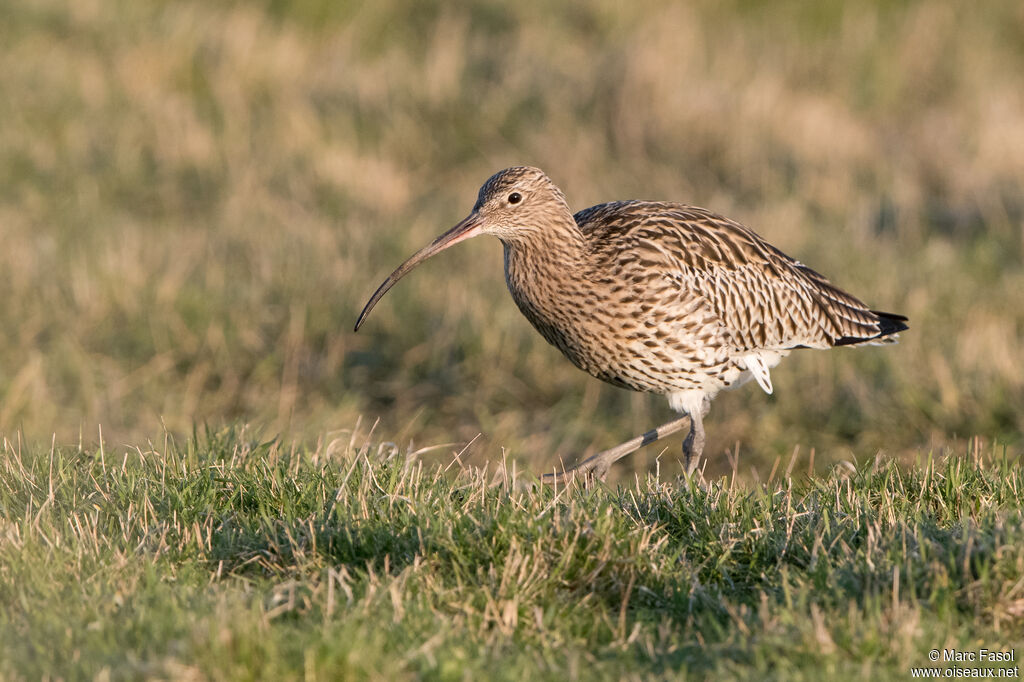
x=469 y=227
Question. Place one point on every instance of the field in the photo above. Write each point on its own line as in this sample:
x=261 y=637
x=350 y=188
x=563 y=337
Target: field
x=206 y=474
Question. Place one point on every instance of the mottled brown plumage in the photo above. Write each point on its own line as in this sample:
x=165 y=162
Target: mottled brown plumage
x=657 y=297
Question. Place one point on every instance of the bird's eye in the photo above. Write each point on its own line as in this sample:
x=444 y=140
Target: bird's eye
x=515 y=198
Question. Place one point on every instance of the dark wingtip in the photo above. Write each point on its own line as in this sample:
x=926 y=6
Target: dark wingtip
x=890 y=323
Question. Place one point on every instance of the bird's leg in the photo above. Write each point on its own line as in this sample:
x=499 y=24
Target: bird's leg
x=693 y=446
x=596 y=467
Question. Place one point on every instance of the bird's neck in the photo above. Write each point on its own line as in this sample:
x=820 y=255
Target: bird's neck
x=544 y=272
x=557 y=249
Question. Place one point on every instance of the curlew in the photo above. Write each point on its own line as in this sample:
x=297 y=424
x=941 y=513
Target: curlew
x=657 y=297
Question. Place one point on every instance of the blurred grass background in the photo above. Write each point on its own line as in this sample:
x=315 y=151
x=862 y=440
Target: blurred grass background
x=196 y=198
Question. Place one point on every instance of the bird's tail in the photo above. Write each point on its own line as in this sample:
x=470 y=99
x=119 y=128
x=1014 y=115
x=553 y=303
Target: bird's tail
x=889 y=327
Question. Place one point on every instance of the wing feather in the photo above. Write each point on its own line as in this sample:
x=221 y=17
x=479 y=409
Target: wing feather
x=763 y=298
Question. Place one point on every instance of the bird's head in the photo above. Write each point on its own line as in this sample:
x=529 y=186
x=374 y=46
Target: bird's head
x=514 y=205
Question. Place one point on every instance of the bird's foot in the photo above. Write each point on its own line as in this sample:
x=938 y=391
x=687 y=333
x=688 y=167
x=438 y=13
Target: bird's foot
x=596 y=468
x=587 y=472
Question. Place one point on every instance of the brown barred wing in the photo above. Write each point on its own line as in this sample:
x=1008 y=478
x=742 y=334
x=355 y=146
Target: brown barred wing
x=763 y=298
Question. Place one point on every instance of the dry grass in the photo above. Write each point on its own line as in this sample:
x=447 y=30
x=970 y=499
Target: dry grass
x=196 y=199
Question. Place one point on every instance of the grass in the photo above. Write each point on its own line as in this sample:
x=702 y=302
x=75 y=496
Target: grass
x=229 y=557
x=196 y=199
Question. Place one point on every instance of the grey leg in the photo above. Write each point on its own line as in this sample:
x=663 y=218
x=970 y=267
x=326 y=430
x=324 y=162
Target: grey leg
x=693 y=446
x=596 y=467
